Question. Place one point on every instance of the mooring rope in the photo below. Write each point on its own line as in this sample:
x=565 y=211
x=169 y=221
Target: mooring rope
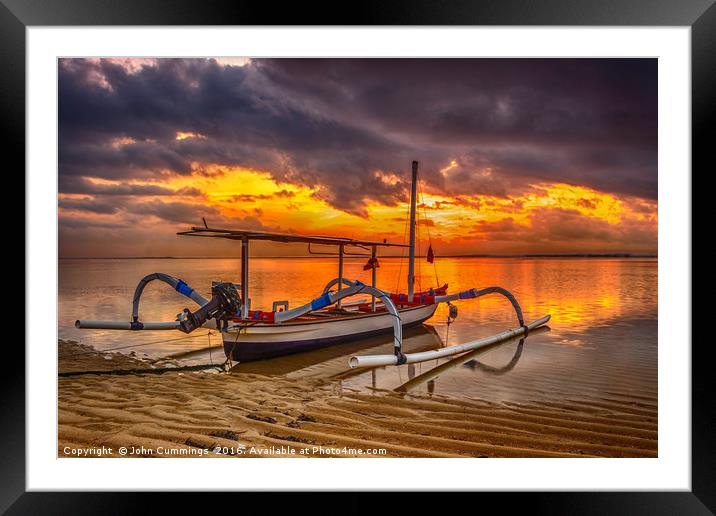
x=158 y=370
x=101 y=351
x=236 y=341
x=208 y=335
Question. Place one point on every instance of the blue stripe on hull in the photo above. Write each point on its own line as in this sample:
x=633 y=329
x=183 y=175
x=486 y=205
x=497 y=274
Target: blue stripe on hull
x=251 y=351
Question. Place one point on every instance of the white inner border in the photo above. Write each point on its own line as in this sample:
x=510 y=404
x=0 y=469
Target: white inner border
x=672 y=470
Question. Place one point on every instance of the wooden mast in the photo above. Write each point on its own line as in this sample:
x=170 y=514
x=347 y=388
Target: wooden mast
x=411 y=259
x=245 y=277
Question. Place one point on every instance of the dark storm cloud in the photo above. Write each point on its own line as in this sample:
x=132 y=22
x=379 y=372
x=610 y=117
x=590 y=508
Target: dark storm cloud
x=70 y=223
x=462 y=99
x=89 y=205
x=342 y=125
x=189 y=213
x=130 y=211
x=80 y=185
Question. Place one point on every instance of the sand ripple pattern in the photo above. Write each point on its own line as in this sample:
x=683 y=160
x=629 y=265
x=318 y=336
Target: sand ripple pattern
x=193 y=410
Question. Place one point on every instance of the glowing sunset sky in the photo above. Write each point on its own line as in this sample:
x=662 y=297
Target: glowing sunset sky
x=516 y=155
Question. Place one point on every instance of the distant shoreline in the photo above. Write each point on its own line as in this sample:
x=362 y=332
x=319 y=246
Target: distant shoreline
x=569 y=255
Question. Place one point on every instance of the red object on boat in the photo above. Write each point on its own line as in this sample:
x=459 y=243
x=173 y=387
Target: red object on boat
x=258 y=315
x=418 y=299
x=371 y=264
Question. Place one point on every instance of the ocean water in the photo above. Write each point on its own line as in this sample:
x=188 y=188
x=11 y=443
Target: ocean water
x=601 y=343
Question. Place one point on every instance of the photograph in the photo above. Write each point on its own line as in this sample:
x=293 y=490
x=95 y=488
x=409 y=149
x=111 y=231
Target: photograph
x=357 y=257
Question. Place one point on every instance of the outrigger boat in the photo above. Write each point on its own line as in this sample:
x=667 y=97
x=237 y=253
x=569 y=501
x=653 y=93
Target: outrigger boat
x=259 y=334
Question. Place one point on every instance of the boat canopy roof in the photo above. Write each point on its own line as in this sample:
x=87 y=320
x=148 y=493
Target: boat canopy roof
x=243 y=234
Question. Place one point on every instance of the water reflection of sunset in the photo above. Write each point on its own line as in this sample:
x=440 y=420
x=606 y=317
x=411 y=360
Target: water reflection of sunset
x=580 y=294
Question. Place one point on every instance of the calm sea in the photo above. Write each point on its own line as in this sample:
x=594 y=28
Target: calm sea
x=602 y=340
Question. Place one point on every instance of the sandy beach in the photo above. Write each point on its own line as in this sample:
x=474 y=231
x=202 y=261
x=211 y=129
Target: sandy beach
x=242 y=414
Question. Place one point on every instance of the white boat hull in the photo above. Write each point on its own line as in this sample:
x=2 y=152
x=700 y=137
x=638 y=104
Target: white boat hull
x=244 y=343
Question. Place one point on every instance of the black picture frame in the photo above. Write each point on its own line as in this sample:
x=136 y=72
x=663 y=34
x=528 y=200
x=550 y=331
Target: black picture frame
x=700 y=15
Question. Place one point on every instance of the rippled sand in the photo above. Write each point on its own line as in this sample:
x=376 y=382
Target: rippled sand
x=196 y=410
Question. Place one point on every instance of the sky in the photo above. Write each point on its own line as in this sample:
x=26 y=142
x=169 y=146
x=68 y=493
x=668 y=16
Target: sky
x=516 y=155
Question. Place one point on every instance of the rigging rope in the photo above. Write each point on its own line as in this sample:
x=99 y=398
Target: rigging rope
x=402 y=249
x=427 y=225
x=417 y=243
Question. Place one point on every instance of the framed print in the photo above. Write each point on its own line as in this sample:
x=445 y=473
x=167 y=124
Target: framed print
x=446 y=248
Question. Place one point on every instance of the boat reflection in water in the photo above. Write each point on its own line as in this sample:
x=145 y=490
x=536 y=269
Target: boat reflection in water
x=466 y=360
x=333 y=361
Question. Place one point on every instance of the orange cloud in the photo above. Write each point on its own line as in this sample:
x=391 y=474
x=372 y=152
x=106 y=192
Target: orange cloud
x=547 y=217
x=181 y=135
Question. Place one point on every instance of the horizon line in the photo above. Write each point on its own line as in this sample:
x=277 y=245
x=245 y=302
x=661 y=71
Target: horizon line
x=523 y=255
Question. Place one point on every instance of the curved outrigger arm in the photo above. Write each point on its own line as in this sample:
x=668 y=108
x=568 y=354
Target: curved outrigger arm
x=356 y=287
x=224 y=299
x=177 y=284
x=475 y=293
x=400 y=358
x=336 y=281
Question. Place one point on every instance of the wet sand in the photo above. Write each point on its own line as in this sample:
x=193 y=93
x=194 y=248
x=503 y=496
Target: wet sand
x=192 y=411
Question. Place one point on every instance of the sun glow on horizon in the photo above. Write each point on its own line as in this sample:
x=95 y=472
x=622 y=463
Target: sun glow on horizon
x=458 y=224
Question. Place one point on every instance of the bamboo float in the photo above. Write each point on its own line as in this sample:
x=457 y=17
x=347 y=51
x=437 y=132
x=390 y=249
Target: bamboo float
x=414 y=358
x=122 y=325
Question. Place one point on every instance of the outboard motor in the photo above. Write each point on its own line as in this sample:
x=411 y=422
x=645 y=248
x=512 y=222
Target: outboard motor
x=225 y=302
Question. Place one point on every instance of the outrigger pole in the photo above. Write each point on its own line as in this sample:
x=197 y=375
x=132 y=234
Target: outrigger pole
x=413 y=358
